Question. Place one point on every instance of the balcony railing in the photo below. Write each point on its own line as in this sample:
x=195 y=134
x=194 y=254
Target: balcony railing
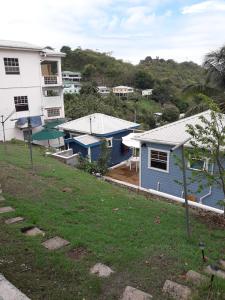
x=48 y=80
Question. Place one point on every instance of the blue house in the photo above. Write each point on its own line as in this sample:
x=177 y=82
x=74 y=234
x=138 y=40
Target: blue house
x=158 y=165
x=85 y=136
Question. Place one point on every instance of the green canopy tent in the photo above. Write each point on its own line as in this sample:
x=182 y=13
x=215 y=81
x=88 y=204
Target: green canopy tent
x=52 y=124
x=47 y=134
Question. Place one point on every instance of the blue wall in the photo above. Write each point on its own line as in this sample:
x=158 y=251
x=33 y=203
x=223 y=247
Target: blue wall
x=150 y=177
x=118 y=152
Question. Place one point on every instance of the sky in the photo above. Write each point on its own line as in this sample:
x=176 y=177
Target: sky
x=126 y=29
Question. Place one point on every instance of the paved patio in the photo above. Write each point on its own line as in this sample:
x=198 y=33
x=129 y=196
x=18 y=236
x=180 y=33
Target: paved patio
x=123 y=173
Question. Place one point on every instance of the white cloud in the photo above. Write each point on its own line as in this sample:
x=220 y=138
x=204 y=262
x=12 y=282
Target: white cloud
x=205 y=6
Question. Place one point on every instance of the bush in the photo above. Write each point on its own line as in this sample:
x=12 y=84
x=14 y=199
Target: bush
x=170 y=113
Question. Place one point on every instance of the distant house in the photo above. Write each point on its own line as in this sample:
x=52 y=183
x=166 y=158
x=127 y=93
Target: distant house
x=158 y=166
x=147 y=92
x=122 y=90
x=85 y=136
x=103 y=90
x=71 y=87
x=69 y=76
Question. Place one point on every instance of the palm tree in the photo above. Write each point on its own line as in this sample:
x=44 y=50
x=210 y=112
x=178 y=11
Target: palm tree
x=214 y=85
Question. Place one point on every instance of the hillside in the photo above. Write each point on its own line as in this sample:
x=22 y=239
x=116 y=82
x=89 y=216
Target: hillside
x=107 y=70
x=142 y=240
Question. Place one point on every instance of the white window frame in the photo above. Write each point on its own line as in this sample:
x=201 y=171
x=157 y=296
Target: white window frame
x=111 y=142
x=12 y=66
x=53 y=108
x=167 y=163
x=205 y=166
x=20 y=101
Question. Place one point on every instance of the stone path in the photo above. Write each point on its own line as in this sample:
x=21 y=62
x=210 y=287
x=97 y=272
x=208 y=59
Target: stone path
x=6 y=209
x=55 y=243
x=176 y=291
x=101 y=270
x=131 y=293
x=9 y=292
x=14 y=220
x=34 y=232
x=195 y=278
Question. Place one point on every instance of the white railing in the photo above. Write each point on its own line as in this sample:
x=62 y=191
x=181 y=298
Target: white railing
x=52 y=79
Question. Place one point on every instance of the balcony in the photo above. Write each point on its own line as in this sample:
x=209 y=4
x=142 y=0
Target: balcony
x=50 y=80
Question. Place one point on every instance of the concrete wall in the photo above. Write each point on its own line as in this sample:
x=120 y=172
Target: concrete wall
x=150 y=178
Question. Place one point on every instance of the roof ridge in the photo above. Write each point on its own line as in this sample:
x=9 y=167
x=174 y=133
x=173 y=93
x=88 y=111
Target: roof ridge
x=176 y=122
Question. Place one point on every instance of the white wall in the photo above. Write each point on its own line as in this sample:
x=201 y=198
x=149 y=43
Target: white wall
x=27 y=83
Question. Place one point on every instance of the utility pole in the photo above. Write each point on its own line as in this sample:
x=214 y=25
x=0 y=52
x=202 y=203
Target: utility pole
x=181 y=145
x=3 y=123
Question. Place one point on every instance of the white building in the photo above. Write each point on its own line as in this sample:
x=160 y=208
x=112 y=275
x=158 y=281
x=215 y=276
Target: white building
x=71 y=87
x=103 y=90
x=30 y=86
x=71 y=76
x=147 y=92
x=122 y=90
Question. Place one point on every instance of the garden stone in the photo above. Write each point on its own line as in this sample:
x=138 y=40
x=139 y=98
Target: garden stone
x=9 y=291
x=131 y=293
x=34 y=232
x=176 y=291
x=101 y=270
x=14 y=220
x=222 y=264
x=55 y=243
x=218 y=273
x=195 y=278
x=6 y=209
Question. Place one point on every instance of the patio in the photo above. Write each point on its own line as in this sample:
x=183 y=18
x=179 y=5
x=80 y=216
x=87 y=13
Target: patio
x=124 y=173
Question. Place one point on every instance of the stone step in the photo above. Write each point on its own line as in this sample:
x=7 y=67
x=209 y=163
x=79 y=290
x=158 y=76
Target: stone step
x=6 y=209
x=176 y=291
x=55 y=243
x=195 y=278
x=219 y=273
x=9 y=292
x=101 y=270
x=14 y=220
x=222 y=264
x=33 y=231
x=131 y=293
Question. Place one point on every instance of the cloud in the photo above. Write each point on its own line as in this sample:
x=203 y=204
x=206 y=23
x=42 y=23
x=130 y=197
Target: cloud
x=132 y=29
x=205 y=6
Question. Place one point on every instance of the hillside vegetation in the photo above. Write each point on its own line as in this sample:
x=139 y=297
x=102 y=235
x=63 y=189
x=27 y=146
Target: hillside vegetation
x=107 y=70
x=167 y=78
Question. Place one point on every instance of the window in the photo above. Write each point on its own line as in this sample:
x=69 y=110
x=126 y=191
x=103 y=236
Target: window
x=109 y=142
x=53 y=112
x=198 y=164
x=11 y=65
x=159 y=160
x=51 y=93
x=21 y=103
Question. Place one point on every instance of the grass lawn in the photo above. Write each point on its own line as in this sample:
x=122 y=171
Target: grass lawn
x=142 y=239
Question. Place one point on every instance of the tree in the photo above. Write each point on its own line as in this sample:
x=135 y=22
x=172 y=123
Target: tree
x=89 y=88
x=214 y=85
x=170 y=113
x=208 y=140
x=89 y=72
x=143 y=80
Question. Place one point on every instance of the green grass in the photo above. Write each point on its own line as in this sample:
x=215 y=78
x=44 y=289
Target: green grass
x=143 y=253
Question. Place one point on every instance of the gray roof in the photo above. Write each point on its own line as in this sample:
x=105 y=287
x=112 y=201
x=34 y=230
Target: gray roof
x=174 y=133
x=86 y=139
x=17 y=45
x=98 y=124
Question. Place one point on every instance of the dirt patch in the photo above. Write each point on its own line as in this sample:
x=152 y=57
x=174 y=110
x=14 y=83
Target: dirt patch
x=78 y=253
x=213 y=220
